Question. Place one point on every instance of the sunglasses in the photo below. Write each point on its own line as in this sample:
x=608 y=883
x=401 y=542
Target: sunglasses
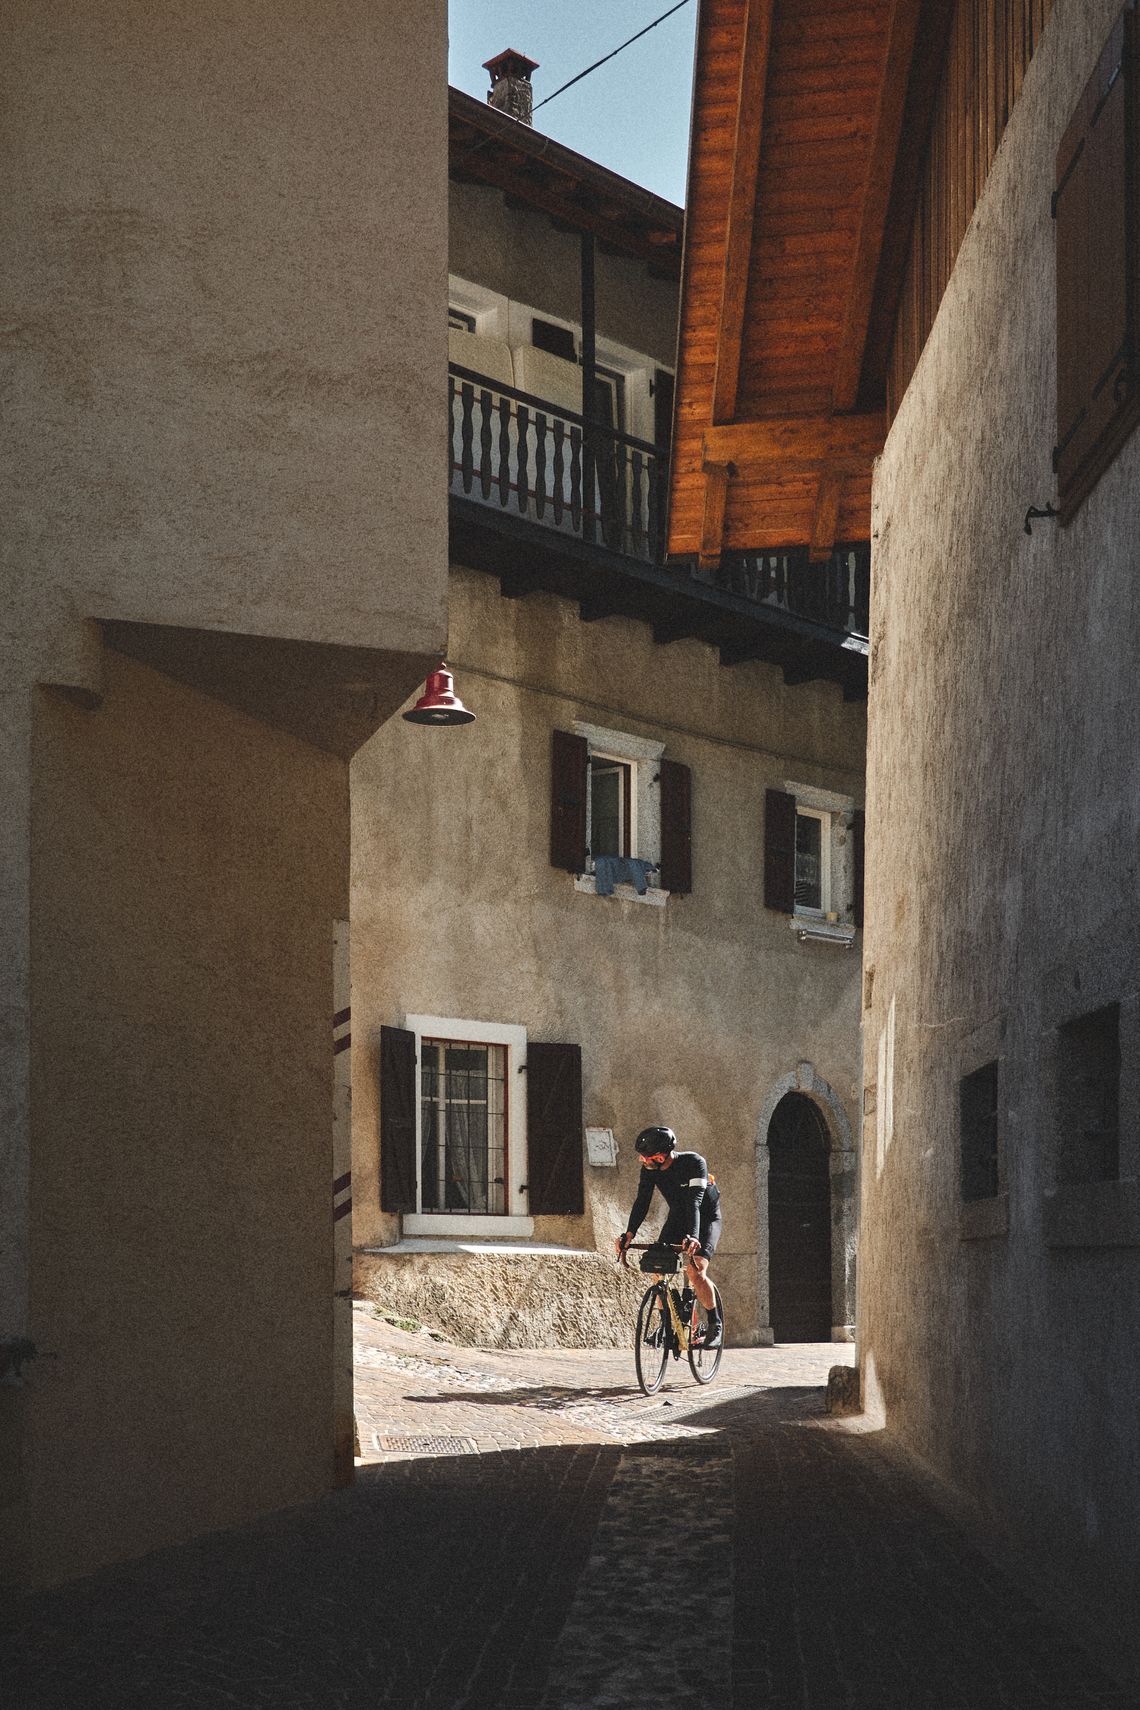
x=654 y=1157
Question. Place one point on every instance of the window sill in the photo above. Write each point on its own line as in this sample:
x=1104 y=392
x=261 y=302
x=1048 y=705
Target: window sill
x=491 y=1226
x=984 y=1219
x=811 y=928
x=1093 y=1214
x=656 y=898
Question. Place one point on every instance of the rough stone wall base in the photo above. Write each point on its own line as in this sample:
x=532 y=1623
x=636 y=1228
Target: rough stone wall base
x=500 y=1300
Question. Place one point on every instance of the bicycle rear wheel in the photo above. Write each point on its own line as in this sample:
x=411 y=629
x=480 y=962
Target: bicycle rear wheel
x=704 y=1363
x=651 y=1340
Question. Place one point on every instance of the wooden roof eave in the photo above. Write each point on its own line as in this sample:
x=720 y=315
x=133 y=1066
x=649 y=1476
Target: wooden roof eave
x=714 y=488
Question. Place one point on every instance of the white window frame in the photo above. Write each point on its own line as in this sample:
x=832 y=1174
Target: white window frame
x=615 y=760
x=837 y=813
x=644 y=757
x=492 y=1224
x=825 y=826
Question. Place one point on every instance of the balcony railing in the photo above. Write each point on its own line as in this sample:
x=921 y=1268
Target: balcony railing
x=522 y=454
x=835 y=593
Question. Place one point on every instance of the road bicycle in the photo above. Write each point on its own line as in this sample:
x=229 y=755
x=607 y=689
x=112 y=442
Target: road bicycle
x=671 y=1320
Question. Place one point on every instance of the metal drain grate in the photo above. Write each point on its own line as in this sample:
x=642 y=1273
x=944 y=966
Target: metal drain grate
x=425 y=1445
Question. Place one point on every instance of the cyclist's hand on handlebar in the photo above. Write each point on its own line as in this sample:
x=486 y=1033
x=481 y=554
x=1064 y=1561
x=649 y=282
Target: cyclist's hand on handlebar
x=690 y=1245
x=621 y=1243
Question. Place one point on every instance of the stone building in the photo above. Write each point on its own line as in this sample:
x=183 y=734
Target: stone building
x=628 y=893
x=1000 y=1278
x=224 y=567
x=926 y=243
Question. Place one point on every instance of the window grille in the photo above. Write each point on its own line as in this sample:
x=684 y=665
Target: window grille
x=463 y=1098
x=458 y=320
x=811 y=887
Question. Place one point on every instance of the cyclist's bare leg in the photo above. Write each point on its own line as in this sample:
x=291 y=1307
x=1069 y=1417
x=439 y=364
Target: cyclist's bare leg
x=696 y=1269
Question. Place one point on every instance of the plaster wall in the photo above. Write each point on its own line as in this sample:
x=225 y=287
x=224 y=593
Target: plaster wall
x=521 y=255
x=1003 y=821
x=225 y=368
x=686 y=1014
x=189 y=865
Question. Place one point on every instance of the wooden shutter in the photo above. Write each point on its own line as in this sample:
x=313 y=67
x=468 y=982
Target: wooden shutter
x=397 y=1119
x=1097 y=392
x=676 y=828
x=554 y=1130
x=858 y=826
x=780 y=851
x=569 y=765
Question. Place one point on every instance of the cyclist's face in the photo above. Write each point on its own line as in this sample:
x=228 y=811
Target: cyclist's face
x=657 y=1161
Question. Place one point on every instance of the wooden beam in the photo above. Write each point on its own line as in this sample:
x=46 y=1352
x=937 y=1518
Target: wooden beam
x=797 y=442
x=826 y=518
x=876 y=199
x=741 y=205
x=712 y=522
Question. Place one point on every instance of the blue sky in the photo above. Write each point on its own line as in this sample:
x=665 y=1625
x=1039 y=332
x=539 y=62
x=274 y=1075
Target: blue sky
x=632 y=115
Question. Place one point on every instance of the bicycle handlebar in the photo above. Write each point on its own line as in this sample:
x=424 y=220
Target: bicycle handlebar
x=644 y=1246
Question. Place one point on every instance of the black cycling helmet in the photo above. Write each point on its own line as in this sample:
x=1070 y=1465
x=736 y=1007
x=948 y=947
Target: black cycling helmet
x=652 y=1140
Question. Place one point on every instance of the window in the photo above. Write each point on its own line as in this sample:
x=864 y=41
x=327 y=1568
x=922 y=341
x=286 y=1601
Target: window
x=978 y=1132
x=1088 y=1096
x=558 y=341
x=616 y=795
x=480 y=1129
x=458 y=320
x=1098 y=254
x=463 y=1126
x=610 y=826
x=813 y=859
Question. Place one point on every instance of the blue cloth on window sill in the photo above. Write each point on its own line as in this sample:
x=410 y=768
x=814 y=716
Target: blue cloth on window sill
x=611 y=870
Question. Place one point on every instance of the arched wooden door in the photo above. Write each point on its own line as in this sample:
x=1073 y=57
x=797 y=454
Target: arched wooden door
x=799 y=1222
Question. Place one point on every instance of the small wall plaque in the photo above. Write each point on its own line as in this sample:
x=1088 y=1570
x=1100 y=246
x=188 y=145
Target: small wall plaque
x=601 y=1147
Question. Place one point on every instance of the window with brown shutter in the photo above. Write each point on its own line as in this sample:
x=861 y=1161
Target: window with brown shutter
x=554 y=1129
x=397 y=1119
x=569 y=768
x=780 y=851
x=676 y=828
x=1098 y=252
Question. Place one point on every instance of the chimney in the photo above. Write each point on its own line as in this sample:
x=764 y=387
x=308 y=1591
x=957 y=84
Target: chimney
x=510 y=89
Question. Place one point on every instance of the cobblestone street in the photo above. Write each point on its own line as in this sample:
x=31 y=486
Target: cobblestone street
x=528 y=1531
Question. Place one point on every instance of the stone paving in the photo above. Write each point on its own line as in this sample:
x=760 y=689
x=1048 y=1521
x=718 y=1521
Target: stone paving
x=557 y=1541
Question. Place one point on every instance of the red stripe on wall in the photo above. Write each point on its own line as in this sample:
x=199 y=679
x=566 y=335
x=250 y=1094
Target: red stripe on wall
x=340 y=1211
x=340 y=1045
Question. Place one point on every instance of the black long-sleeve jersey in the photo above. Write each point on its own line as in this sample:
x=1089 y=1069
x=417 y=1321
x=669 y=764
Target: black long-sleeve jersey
x=687 y=1190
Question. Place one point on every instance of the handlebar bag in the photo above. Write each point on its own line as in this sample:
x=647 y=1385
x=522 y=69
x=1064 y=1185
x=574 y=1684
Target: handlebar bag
x=663 y=1260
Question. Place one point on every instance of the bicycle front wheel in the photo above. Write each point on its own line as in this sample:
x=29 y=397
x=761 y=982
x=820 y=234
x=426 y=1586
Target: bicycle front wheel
x=704 y=1363
x=651 y=1342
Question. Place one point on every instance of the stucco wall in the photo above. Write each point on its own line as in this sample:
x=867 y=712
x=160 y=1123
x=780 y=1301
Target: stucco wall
x=1003 y=817
x=226 y=367
x=189 y=865
x=686 y=1014
x=519 y=253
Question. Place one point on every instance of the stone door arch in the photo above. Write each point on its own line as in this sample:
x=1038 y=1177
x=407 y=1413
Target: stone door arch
x=805 y=1082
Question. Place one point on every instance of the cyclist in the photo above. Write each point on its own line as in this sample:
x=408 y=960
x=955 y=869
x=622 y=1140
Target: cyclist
x=693 y=1222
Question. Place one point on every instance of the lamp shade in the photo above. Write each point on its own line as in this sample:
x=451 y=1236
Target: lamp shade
x=439 y=704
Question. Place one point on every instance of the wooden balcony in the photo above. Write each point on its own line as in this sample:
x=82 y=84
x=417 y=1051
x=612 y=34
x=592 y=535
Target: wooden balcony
x=545 y=502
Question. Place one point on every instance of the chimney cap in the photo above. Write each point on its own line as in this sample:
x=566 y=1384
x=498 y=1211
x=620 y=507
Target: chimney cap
x=510 y=63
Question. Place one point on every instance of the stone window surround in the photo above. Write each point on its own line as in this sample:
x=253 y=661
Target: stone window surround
x=643 y=754
x=840 y=811
x=1092 y=1214
x=493 y=1226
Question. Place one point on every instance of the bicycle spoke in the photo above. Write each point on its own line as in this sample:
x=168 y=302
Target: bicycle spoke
x=652 y=1340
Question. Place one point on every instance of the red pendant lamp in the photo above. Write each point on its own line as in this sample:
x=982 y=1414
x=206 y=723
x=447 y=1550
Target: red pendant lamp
x=439 y=704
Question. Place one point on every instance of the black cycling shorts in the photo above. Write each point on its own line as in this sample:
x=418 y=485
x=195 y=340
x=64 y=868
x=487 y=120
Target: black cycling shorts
x=673 y=1234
